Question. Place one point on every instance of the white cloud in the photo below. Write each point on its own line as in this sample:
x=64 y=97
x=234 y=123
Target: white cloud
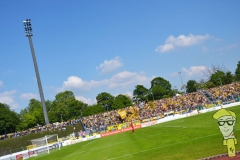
x=118 y=81
x=86 y=100
x=1 y=84
x=7 y=97
x=77 y=83
x=181 y=41
x=28 y=96
x=127 y=79
x=129 y=94
x=111 y=65
x=194 y=71
x=164 y=48
x=89 y=101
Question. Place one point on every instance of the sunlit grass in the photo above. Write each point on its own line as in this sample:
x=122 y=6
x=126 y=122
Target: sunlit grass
x=188 y=138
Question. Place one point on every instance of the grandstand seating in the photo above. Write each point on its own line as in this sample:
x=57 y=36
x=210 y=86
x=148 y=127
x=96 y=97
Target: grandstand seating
x=178 y=104
x=175 y=105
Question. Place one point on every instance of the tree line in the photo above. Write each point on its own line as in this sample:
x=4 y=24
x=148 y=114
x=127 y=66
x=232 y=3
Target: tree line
x=217 y=76
x=66 y=107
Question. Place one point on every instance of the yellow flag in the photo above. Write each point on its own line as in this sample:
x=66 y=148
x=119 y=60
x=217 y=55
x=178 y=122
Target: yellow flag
x=122 y=113
x=164 y=105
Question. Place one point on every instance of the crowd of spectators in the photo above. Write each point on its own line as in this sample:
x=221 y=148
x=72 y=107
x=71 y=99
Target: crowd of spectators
x=226 y=93
x=58 y=126
x=179 y=104
x=99 y=122
x=145 y=110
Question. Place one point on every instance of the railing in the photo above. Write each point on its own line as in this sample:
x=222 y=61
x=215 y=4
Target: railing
x=207 y=97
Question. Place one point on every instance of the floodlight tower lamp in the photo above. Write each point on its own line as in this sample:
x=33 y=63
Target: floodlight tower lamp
x=28 y=28
x=28 y=33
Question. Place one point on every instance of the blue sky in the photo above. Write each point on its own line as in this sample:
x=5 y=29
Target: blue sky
x=90 y=47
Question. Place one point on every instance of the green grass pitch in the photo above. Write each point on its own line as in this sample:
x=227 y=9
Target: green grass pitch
x=188 y=138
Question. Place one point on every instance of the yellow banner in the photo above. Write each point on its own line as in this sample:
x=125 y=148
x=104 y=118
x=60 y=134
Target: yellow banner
x=31 y=146
x=122 y=113
x=122 y=125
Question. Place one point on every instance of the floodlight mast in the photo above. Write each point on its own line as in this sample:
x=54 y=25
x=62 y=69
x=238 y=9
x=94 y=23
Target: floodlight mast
x=29 y=33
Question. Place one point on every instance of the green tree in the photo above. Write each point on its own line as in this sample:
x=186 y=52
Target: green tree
x=32 y=115
x=140 y=93
x=208 y=84
x=105 y=99
x=217 y=78
x=65 y=106
x=237 y=72
x=228 y=78
x=75 y=110
x=8 y=119
x=48 y=105
x=215 y=68
x=93 y=109
x=121 y=101
x=35 y=109
x=201 y=84
x=191 y=86
x=160 y=88
x=27 y=121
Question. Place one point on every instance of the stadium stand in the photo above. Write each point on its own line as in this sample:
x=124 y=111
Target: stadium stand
x=144 y=112
x=179 y=104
